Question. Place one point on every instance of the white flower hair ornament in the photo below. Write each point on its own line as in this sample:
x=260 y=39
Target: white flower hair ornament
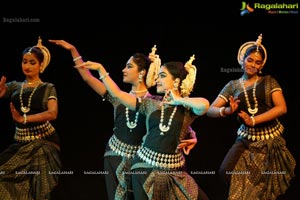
x=153 y=71
x=243 y=49
x=187 y=84
x=47 y=55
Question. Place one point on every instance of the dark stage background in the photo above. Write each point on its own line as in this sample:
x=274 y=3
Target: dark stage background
x=85 y=122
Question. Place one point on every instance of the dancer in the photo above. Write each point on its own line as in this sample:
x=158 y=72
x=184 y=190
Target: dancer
x=258 y=165
x=159 y=167
x=130 y=126
x=29 y=166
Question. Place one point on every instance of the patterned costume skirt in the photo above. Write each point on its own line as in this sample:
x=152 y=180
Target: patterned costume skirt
x=263 y=171
x=117 y=161
x=157 y=184
x=27 y=170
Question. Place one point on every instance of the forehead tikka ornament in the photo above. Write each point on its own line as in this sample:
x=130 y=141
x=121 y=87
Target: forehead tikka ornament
x=243 y=49
x=29 y=51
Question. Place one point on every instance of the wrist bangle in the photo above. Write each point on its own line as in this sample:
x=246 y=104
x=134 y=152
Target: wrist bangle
x=25 y=118
x=103 y=76
x=77 y=58
x=253 y=120
x=222 y=111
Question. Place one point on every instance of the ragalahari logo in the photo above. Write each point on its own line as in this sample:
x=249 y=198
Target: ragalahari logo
x=246 y=9
x=270 y=8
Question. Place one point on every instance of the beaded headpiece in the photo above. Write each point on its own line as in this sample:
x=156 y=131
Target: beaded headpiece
x=187 y=84
x=243 y=49
x=47 y=56
x=153 y=71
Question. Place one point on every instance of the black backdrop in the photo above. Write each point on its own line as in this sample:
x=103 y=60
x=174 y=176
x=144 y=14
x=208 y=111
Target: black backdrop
x=213 y=33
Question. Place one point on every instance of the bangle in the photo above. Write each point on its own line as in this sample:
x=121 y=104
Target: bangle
x=222 y=111
x=103 y=76
x=77 y=58
x=25 y=118
x=253 y=120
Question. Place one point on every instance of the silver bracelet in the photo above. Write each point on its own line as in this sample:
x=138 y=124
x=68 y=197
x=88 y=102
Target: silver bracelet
x=222 y=111
x=77 y=58
x=103 y=76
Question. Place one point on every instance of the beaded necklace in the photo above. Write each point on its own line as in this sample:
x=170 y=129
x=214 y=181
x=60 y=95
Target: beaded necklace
x=164 y=128
x=255 y=109
x=26 y=109
x=132 y=124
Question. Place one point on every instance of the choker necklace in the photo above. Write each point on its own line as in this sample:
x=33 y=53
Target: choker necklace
x=31 y=83
x=138 y=91
x=255 y=109
x=26 y=109
x=164 y=128
x=132 y=125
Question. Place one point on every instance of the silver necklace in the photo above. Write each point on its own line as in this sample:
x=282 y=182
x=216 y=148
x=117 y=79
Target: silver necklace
x=26 y=109
x=132 y=124
x=164 y=128
x=138 y=91
x=255 y=109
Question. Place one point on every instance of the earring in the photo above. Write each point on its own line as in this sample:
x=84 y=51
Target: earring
x=175 y=85
x=140 y=77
